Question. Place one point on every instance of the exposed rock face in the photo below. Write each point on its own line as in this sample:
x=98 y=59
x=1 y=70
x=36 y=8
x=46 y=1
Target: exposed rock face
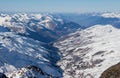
x=2 y=75
x=112 y=72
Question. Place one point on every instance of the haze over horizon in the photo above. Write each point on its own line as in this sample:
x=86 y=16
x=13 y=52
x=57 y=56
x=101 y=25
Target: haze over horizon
x=76 y=6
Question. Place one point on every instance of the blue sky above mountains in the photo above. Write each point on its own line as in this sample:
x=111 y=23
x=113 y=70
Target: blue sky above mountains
x=59 y=5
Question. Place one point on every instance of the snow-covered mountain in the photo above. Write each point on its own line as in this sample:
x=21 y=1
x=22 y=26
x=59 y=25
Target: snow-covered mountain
x=88 y=53
x=55 y=46
x=111 y=15
x=17 y=52
x=42 y=27
x=23 y=53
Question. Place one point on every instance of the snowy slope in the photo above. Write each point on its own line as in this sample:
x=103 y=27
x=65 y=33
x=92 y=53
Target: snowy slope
x=29 y=72
x=88 y=53
x=17 y=52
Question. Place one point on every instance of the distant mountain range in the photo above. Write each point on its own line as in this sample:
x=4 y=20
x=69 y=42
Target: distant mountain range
x=90 y=19
x=43 y=27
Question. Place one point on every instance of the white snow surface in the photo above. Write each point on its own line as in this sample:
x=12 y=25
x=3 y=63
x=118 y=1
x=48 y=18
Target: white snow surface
x=111 y=15
x=22 y=19
x=17 y=52
x=87 y=53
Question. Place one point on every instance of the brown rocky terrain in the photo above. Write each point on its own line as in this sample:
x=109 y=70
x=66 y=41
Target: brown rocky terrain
x=112 y=72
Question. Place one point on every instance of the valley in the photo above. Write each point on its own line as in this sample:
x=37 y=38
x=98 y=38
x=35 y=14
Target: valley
x=58 y=45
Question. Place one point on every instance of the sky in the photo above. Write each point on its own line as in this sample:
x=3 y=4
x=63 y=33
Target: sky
x=69 y=6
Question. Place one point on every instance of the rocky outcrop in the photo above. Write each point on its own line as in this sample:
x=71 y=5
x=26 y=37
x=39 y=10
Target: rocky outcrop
x=2 y=75
x=112 y=72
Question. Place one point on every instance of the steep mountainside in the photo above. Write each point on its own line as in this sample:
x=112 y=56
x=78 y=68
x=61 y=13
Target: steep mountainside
x=88 y=53
x=17 y=52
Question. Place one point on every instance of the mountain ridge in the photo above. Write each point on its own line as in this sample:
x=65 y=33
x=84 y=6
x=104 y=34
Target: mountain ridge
x=89 y=52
